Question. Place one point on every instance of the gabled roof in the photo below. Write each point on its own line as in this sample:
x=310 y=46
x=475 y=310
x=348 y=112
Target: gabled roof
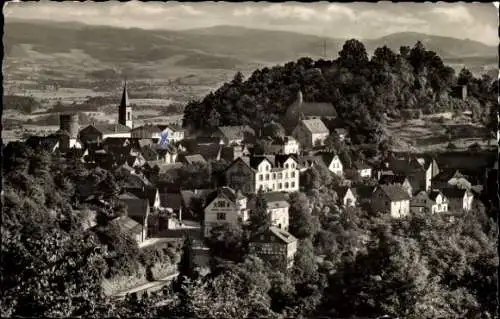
x=446 y=175
x=453 y=192
x=283 y=235
x=280 y=159
x=315 y=126
x=361 y=165
x=111 y=128
x=256 y=160
x=394 y=192
x=148 y=193
x=128 y=225
x=342 y=191
x=136 y=207
x=137 y=181
x=325 y=158
x=273 y=198
x=195 y=158
x=389 y=179
x=209 y=151
x=422 y=195
x=236 y=132
x=225 y=192
x=434 y=194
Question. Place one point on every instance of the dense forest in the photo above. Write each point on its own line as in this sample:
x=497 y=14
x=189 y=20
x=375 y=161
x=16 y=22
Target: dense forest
x=349 y=262
x=364 y=91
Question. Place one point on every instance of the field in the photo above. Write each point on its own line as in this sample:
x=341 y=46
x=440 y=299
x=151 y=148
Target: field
x=432 y=133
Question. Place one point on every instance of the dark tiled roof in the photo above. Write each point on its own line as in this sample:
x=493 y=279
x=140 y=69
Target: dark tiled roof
x=195 y=158
x=395 y=192
x=137 y=208
x=209 y=151
x=325 y=158
x=283 y=235
x=280 y=159
x=256 y=160
x=148 y=193
x=342 y=191
x=388 y=179
x=361 y=165
x=363 y=191
x=453 y=192
x=446 y=175
x=207 y=140
x=226 y=192
x=111 y=128
x=433 y=194
x=171 y=200
x=236 y=132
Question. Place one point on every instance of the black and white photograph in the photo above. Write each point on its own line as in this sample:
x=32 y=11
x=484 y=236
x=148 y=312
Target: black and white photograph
x=236 y=160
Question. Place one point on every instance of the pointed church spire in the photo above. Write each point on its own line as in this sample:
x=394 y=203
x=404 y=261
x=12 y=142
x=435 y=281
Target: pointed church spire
x=125 y=110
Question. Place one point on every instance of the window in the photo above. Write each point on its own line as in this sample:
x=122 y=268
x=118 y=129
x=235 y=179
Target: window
x=286 y=185
x=280 y=175
x=280 y=186
x=267 y=177
x=293 y=184
x=261 y=177
x=286 y=165
x=293 y=165
x=221 y=216
x=293 y=174
x=274 y=175
x=128 y=116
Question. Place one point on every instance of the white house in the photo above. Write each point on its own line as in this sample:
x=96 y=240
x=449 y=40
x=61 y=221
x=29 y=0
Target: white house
x=224 y=205
x=311 y=133
x=439 y=202
x=392 y=199
x=277 y=207
x=332 y=162
x=346 y=196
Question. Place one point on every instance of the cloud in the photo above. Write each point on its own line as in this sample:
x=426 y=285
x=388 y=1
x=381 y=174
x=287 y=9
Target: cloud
x=247 y=11
x=280 y=11
x=337 y=10
x=456 y=14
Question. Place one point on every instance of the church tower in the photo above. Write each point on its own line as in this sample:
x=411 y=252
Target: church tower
x=125 y=110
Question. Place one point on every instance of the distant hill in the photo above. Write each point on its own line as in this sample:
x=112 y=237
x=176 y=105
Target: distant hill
x=216 y=47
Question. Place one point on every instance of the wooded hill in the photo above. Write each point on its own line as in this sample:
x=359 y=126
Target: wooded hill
x=363 y=91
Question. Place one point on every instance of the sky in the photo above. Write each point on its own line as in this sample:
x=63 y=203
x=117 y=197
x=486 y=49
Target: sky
x=475 y=21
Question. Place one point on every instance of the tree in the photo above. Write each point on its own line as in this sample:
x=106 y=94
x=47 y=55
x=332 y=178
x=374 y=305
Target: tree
x=305 y=267
x=260 y=219
x=302 y=223
x=227 y=242
x=465 y=77
x=353 y=54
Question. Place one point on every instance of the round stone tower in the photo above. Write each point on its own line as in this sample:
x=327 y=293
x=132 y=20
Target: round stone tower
x=69 y=123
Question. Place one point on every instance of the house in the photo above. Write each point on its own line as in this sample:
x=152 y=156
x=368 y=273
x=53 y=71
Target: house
x=346 y=197
x=96 y=133
x=277 y=207
x=50 y=144
x=392 y=199
x=235 y=134
x=209 y=151
x=266 y=173
x=223 y=206
x=439 y=202
x=419 y=171
x=281 y=145
x=311 y=133
x=276 y=246
x=175 y=132
x=458 y=199
x=420 y=203
x=230 y=153
x=137 y=209
x=391 y=179
x=301 y=109
x=363 y=169
x=152 y=194
x=131 y=227
x=332 y=162
x=192 y=159
x=451 y=178
x=150 y=131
